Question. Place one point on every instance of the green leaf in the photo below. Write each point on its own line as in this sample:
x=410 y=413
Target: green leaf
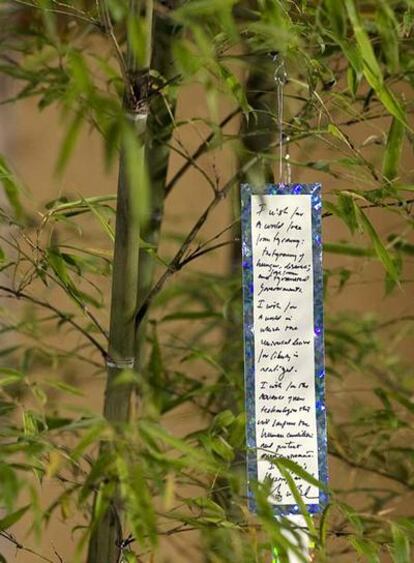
x=9 y=376
x=371 y=68
x=137 y=497
x=95 y=208
x=293 y=467
x=298 y=498
x=400 y=398
x=352 y=515
x=388 y=30
x=368 y=549
x=80 y=74
x=9 y=485
x=58 y=265
x=222 y=448
x=353 y=80
x=200 y=8
x=336 y=14
x=336 y=132
x=324 y=525
x=12 y=187
x=402 y=245
x=400 y=550
x=393 y=149
x=69 y=142
x=234 y=86
x=363 y=41
x=392 y=283
x=94 y=433
x=196 y=458
x=67 y=208
x=380 y=250
x=12 y=518
x=347 y=249
x=348 y=213
x=102 y=502
x=65 y=387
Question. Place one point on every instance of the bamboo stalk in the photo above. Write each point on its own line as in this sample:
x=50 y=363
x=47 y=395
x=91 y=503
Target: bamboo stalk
x=159 y=132
x=257 y=134
x=106 y=536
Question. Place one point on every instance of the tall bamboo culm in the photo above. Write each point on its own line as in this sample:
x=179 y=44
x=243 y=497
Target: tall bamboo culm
x=106 y=536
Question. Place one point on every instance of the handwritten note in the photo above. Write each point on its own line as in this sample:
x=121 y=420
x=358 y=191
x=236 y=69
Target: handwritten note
x=283 y=310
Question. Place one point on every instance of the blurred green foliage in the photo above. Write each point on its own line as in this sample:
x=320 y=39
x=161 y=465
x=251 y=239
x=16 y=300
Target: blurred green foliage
x=350 y=66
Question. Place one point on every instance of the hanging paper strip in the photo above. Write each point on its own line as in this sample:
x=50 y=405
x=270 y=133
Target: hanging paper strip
x=283 y=337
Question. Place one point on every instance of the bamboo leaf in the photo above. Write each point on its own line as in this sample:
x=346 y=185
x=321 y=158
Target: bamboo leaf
x=65 y=387
x=298 y=498
x=12 y=518
x=352 y=515
x=380 y=250
x=400 y=550
x=368 y=549
x=323 y=525
x=198 y=459
x=95 y=209
x=137 y=496
x=371 y=69
x=388 y=31
x=363 y=41
x=293 y=467
x=9 y=484
x=12 y=187
x=336 y=132
x=336 y=14
x=348 y=213
x=98 y=430
x=69 y=142
x=392 y=155
x=58 y=265
x=347 y=249
x=80 y=74
x=9 y=376
x=353 y=80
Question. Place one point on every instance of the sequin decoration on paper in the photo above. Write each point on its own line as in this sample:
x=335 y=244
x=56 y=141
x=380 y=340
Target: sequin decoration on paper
x=283 y=338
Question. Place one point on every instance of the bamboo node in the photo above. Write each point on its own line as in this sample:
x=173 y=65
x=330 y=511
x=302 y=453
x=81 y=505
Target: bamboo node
x=125 y=363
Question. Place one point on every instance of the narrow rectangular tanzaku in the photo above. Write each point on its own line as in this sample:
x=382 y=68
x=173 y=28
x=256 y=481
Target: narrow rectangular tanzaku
x=284 y=339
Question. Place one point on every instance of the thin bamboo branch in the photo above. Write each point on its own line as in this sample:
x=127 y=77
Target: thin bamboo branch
x=62 y=316
x=198 y=152
x=13 y=244
x=376 y=470
x=20 y=547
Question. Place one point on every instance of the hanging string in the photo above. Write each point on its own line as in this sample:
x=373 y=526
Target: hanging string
x=280 y=77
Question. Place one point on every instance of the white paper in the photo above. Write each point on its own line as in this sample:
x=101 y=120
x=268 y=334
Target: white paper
x=301 y=540
x=284 y=341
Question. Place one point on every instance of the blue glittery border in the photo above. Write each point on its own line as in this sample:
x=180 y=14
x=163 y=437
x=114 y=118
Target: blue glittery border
x=284 y=189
